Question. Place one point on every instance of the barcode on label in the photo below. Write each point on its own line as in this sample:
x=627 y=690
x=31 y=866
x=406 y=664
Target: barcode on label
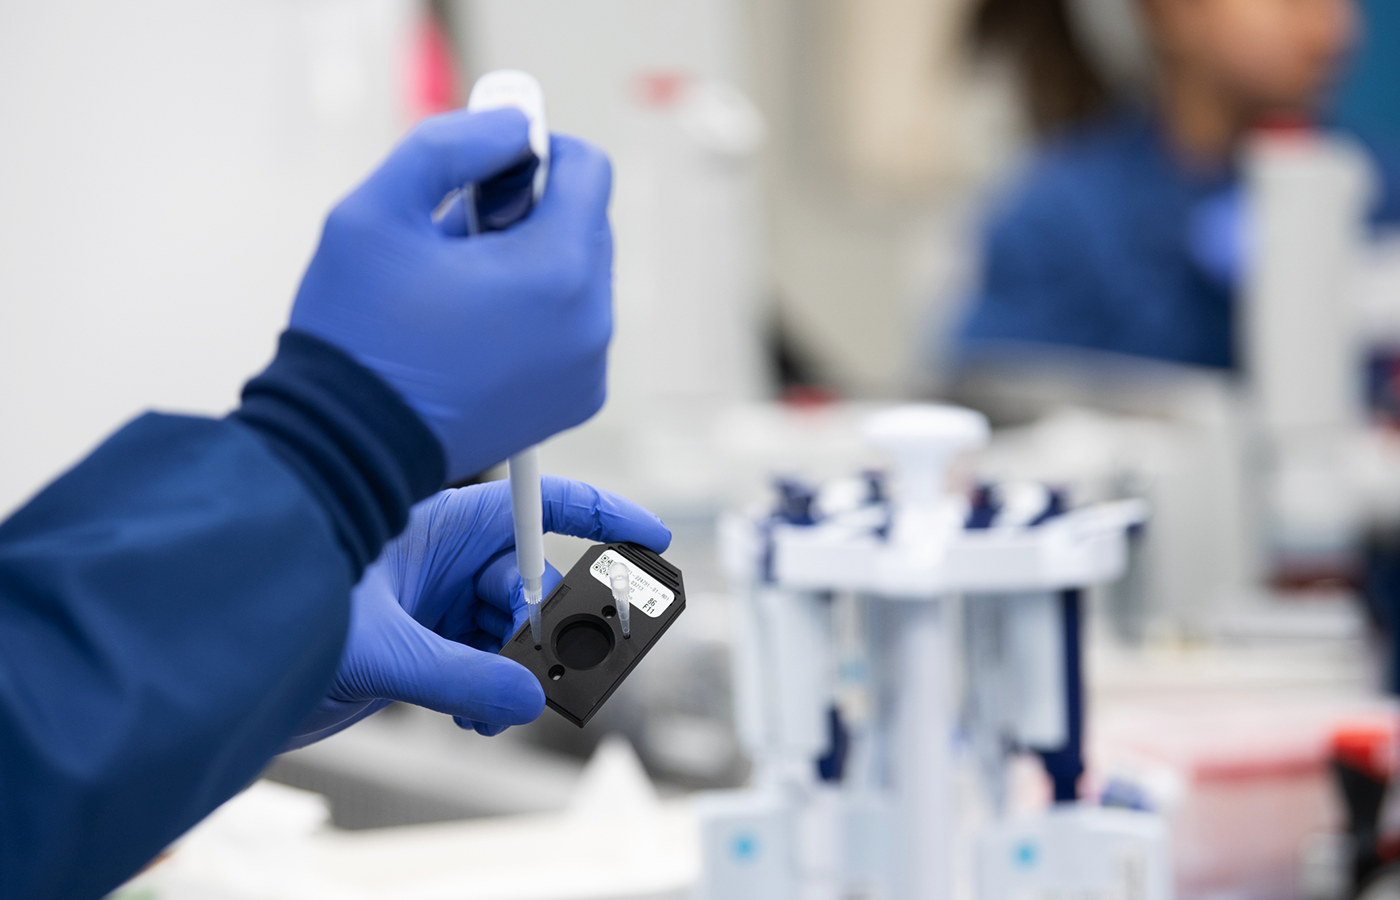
x=647 y=594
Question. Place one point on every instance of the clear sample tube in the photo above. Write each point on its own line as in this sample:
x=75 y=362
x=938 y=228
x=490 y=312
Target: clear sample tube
x=620 y=577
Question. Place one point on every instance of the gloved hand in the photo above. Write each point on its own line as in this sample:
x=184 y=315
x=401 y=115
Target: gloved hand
x=431 y=613
x=499 y=340
x=1218 y=236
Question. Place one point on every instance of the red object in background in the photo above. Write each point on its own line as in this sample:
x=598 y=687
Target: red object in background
x=660 y=89
x=432 y=81
x=808 y=396
x=1368 y=747
x=1285 y=125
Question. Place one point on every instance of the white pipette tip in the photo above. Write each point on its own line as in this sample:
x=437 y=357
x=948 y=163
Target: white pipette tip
x=527 y=510
x=620 y=577
x=534 y=600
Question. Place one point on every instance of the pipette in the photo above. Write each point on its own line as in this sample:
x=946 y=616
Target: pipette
x=491 y=206
x=527 y=507
x=620 y=579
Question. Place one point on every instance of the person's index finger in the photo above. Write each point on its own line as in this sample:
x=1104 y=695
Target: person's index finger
x=572 y=507
x=577 y=191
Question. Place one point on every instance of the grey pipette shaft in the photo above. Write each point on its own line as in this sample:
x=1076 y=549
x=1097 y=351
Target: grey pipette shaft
x=527 y=508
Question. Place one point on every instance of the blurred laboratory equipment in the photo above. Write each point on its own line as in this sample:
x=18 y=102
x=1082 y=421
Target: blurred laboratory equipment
x=1117 y=428
x=1363 y=762
x=1308 y=196
x=1267 y=482
x=1320 y=307
x=848 y=707
x=1279 y=482
x=1231 y=745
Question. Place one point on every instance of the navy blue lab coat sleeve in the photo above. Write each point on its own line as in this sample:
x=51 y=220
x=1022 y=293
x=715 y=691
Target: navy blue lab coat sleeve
x=172 y=607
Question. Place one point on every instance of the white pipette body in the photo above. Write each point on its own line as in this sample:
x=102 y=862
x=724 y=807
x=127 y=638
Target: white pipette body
x=620 y=579
x=495 y=90
x=513 y=88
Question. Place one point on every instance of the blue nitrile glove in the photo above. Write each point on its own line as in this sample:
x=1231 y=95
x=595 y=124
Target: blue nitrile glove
x=1218 y=239
x=498 y=340
x=430 y=614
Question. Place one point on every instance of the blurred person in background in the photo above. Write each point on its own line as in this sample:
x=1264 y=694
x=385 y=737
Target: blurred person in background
x=1123 y=234
x=199 y=593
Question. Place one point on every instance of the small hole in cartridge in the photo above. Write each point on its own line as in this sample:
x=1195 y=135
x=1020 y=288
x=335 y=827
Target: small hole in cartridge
x=556 y=673
x=609 y=612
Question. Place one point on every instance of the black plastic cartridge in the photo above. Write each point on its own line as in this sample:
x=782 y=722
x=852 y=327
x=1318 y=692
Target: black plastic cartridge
x=583 y=655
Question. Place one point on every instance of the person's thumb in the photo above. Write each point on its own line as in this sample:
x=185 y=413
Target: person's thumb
x=452 y=678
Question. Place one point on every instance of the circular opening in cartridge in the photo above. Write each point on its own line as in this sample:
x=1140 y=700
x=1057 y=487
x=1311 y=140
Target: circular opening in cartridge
x=582 y=642
x=609 y=612
x=556 y=673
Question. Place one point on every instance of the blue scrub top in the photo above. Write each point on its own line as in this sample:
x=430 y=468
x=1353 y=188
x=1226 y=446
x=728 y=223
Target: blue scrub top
x=1097 y=247
x=173 y=607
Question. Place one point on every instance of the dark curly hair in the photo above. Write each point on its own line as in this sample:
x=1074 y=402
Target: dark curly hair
x=1058 y=84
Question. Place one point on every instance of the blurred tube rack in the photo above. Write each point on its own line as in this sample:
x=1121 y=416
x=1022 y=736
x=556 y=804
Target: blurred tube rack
x=845 y=673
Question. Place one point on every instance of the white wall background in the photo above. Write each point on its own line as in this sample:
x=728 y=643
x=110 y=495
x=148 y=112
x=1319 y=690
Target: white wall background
x=164 y=168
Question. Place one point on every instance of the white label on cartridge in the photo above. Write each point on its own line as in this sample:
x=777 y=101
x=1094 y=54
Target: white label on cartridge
x=649 y=595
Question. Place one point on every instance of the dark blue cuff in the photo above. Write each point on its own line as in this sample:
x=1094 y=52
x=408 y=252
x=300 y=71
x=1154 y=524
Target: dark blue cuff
x=362 y=452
